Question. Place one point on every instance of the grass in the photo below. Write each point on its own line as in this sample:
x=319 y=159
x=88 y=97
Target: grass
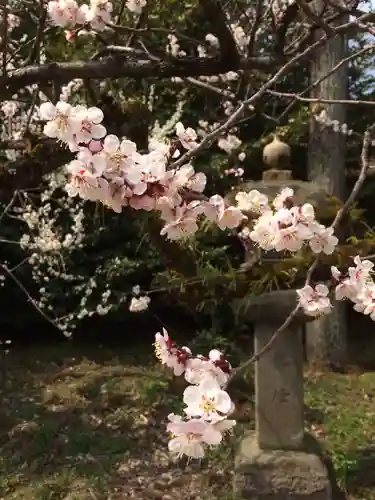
x=343 y=417
x=87 y=424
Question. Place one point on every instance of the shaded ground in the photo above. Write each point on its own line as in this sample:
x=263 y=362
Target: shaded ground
x=88 y=424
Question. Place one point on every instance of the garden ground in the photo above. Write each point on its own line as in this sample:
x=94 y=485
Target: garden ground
x=88 y=424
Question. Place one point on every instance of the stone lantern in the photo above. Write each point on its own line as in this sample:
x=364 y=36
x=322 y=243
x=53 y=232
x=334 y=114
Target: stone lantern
x=279 y=460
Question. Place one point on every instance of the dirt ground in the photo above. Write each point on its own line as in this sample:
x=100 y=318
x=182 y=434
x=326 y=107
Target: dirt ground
x=89 y=424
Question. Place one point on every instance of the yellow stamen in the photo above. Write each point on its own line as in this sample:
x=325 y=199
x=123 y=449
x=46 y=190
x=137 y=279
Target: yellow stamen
x=158 y=350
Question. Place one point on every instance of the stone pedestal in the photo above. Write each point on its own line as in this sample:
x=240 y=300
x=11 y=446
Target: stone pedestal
x=276 y=462
x=279 y=474
x=279 y=388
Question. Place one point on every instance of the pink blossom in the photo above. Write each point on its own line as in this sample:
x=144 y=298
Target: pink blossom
x=323 y=240
x=90 y=124
x=187 y=136
x=190 y=437
x=315 y=302
x=207 y=400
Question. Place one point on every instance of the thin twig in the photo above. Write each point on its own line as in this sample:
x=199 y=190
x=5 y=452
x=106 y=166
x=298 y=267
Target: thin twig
x=310 y=100
x=9 y=205
x=30 y=299
x=212 y=88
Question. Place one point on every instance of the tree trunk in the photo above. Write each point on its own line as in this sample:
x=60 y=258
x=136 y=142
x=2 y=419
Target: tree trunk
x=326 y=338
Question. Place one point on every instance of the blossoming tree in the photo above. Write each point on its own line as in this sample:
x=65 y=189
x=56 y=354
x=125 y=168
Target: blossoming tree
x=106 y=167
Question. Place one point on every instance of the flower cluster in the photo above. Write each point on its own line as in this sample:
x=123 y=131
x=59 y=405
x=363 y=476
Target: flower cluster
x=285 y=226
x=207 y=405
x=357 y=285
x=68 y=14
x=95 y=16
x=324 y=119
x=111 y=170
x=138 y=303
x=54 y=233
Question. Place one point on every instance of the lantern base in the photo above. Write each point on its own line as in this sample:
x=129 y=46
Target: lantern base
x=280 y=474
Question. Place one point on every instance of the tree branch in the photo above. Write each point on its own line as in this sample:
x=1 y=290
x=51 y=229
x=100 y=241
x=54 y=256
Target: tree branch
x=216 y=17
x=28 y=171
x=121 y=67
x=317 y=20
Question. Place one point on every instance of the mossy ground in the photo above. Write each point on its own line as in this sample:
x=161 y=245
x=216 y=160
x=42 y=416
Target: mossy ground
x=87 y=423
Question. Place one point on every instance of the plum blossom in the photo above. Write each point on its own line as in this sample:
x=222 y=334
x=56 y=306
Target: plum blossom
x=168 y=353
x=356 y=285
x=181 y=222
x=198 y=368
x=65 y=13
x=284 y=195
x=314 y=302
x=99 y=14
x=110 y=170
x=363 y=268
x=224 y=216
x=190 y=437
x=118 y=154
x=207 y=400
x=118 y=195
x=187 y=136
x=369 y=309
x=304 y=214
x=186 y=177
x=136 y=6
x=163 y=344
x=207 y=403
x=87 y=164
x=253 y=201
x=230 y=218
x=82 y=183
x=263 y=233
x=148 y=169
x=62 y=120
x=9 y=108
x=139 y=304
x=212 y=40
x=95 y=146
x=90 y=124
x=323 y=240
x=229 y=143
x=290 y=234
x=84 y=179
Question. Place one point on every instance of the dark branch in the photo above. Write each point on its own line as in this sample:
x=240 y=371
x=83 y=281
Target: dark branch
x=27 y=172
x=216 y=17
x=119 y=67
